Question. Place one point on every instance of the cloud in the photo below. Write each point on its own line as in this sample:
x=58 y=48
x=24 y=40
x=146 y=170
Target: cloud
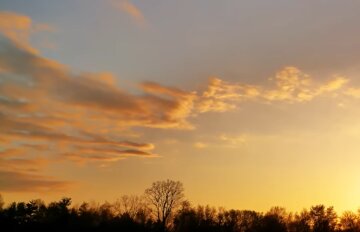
x=155 y=88
x=42 y=100
x=222 y=141
x=42 y=77
x=38 y=147
x=104 y=154
x=129 y=8
x=289 y=85
x=12 y=181
x=19 y=27
x=24 y=165
x=47 y=111
x=92 y=157
x=200 y=145
x=47 y=108
x=293 y=85
x=19 y=171
x=10 y=153
x=333 y=85
x=353 y=92
x=233 y=140
x=221 y=96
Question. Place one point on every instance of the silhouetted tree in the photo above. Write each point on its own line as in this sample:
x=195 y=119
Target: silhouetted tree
x=133 y=214
x=207 y=218
x=300 y=222
x=185 y=219
x=274 y=220
x=1 y=202
x=349 y=222
x=248 y=221
x=323 y=219
x=272 y=223
x=134 y=206
x=58 y=214
x=165 y=197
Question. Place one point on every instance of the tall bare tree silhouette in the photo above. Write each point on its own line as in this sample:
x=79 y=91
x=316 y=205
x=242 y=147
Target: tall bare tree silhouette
x=165 y=197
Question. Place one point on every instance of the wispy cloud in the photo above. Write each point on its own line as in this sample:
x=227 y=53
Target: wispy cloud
x=23 y=164
x=104 y=154
x=129 y=8
x=221 y=96
x=293 y=85
x=12 y=181
x=19 y=27
x=200 y=145
x=87 y=116
x=233 y=140
x=353 y=92
x=41 y=100
x=20 y=171
x=289 y=85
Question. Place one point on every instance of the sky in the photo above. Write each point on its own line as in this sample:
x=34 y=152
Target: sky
x=250 y=104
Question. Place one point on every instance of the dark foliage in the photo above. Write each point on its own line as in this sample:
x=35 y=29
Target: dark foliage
x=135 y=214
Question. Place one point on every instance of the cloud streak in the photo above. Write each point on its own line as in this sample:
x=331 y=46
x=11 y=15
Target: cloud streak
x=289 y=85
x=19 y=27
x=12 y=181
x=47 y=108
x=130 y=9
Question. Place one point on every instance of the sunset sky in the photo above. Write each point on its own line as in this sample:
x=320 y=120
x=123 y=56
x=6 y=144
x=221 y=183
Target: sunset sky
x=250 y=104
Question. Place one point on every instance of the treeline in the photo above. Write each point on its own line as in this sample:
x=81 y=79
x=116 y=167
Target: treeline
x=163 y=208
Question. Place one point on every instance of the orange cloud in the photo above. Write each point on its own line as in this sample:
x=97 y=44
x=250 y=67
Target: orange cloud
x=200 y=145
x=353 y=92
x=63 y=88
x=23 y=165
x=88 y=116
x=296 y=86
x=221 y=96
x=43 y=101
x=291 y=85
x=333 y=85
x=12 y=181
x=7 y=153
x=233 y=140
x=103 y=154
x=84 y=158
x=18 y=28
x=91 y=109
x=129 y=8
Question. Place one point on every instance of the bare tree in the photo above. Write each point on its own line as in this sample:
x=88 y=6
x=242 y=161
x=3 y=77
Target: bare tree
x=133 y=206
x=165 y=197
